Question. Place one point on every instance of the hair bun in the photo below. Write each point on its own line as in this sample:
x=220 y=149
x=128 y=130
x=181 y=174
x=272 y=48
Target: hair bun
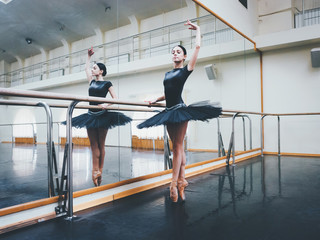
x=103 y=68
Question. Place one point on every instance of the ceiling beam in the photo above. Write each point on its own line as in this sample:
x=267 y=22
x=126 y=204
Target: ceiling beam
x=135 y=24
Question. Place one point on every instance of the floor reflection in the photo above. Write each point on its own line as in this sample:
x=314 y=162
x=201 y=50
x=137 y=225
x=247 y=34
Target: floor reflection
x=24 y=160
x=24 y=172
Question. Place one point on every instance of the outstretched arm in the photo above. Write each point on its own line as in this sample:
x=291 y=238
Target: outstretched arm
x=159 y=99
x=194 y=57
x=87 y=66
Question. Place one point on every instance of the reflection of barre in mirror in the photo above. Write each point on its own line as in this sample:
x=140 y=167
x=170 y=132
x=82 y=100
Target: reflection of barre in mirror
x=221 y=149
x=64 y=187
x=53 y=181
x=177 y=114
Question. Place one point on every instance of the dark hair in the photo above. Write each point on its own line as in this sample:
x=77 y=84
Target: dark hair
x=103 y=68
x=183 y=49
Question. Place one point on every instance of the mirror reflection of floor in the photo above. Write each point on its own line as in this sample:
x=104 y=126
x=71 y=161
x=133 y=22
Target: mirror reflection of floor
x=23 y=168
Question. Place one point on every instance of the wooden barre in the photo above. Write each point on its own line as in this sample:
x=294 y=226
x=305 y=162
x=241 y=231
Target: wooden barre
x=36 y=104
x=59 y=96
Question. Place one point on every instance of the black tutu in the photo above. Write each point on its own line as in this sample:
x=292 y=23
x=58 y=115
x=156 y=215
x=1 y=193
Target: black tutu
x=101 y=119
x=180 y=113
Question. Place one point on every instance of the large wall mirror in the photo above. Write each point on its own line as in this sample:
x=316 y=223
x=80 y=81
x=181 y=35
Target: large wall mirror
x=227 y=71
x=136 y=47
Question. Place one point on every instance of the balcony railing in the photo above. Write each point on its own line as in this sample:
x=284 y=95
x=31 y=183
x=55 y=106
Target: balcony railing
x=144 y=45
x=308 y=13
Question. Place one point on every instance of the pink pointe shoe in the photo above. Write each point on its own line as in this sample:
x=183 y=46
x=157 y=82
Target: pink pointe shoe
x=174 y=192
x=182 y=184
x=96 y=174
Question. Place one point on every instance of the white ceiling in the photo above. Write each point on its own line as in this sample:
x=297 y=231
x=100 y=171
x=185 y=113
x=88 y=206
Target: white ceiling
x=47 y=22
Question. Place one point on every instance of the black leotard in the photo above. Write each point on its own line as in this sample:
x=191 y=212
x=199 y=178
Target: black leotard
x=177 y=111
x=98 y=89
x=96 y=118
x=173 y=85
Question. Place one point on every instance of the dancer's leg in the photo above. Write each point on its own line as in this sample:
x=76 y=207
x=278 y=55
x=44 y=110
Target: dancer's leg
x=94 y=144
x=102 y=133
x=177 y=133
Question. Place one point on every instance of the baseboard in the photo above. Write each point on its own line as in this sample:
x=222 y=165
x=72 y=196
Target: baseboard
x=292 y=154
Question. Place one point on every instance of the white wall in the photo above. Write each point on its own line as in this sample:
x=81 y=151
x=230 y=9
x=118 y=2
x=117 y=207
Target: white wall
x=261 y=17
x=275 y=16
x=245 y=20
x=291 y=85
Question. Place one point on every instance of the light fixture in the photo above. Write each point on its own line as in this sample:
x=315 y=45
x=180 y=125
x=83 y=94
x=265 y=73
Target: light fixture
x=5 y=1
x=29 y=40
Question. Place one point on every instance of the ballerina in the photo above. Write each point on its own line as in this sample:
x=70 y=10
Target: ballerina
x=97 y=122
x=177 y=114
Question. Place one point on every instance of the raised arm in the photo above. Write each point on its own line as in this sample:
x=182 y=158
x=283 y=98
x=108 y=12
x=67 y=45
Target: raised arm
x=87 y=66
x=194 y=57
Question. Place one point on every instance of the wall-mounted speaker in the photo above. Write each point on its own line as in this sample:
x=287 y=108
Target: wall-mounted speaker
x=315 y=57
x=211 y=71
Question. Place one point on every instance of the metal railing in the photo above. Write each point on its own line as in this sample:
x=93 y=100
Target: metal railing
x=263 y=115
x=221 y=150
x=308 y=13
x=50 y=144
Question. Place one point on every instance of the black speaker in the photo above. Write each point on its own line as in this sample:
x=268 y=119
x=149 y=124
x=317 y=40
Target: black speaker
x=211 y=71
x=315 y=57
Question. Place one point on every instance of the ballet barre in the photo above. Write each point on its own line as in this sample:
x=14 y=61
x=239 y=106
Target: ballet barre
x=70 y=97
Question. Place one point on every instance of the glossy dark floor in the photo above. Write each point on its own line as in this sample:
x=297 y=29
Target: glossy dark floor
x=24 y=172
x=270 y=198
